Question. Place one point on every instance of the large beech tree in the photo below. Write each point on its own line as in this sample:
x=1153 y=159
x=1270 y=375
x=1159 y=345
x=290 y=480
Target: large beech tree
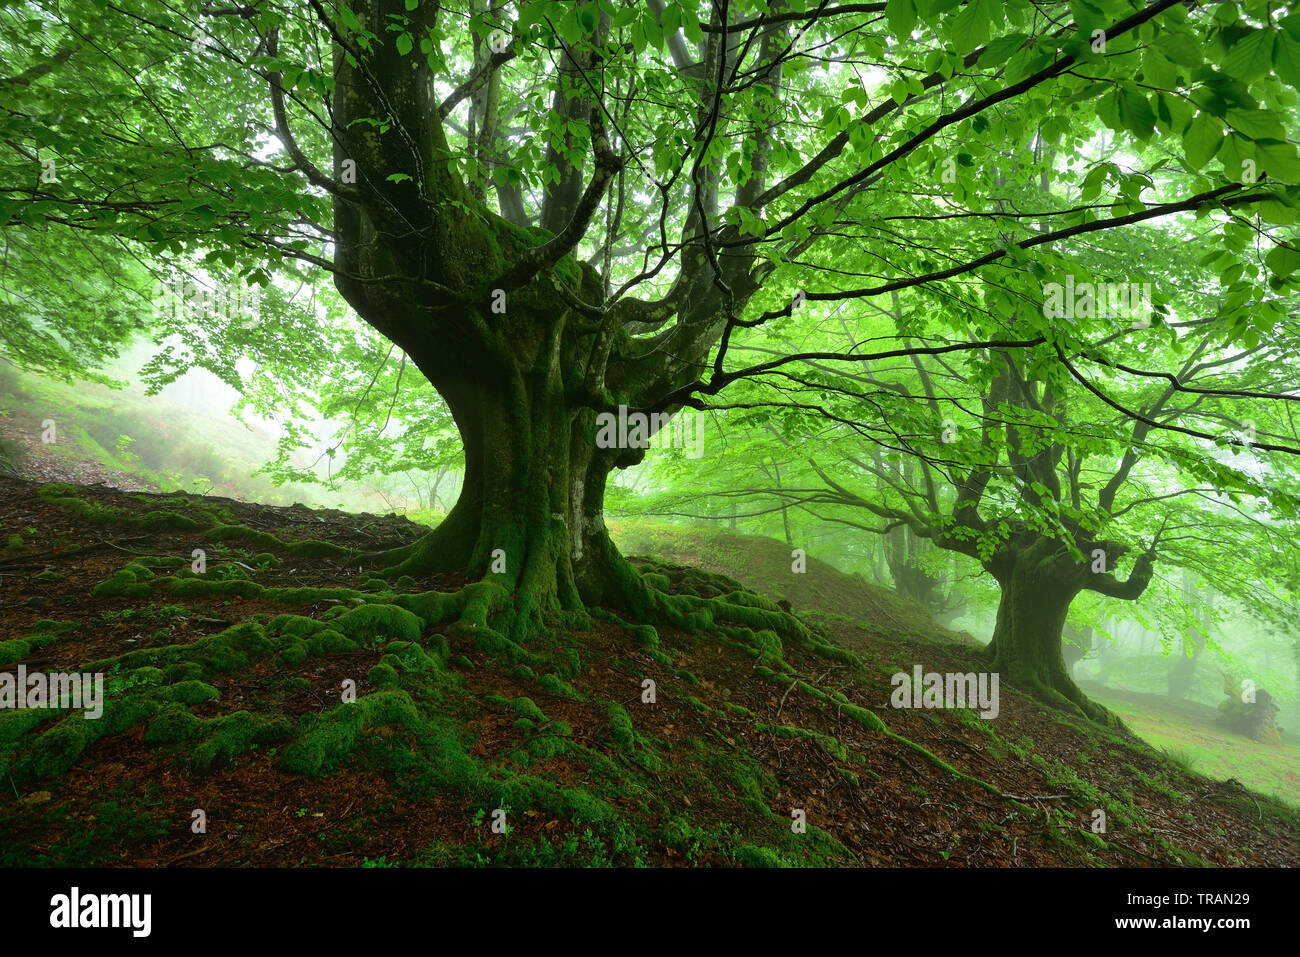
x=557 y=209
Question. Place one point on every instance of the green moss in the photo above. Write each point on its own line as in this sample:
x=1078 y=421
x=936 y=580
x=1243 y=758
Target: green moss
x=173 y=724
x=496 y=645
x=544 y=747
x=373 y=625
x=557 y=686
x=16 y=649
x=433 y=607
x=334 y=737
x=192 y=692
x=620 y=726
x=65 y=496
x=567 y=662
x=750 y=855
x=864 y=717
x=770 y=675
x=383 y=676
x=15 y=724
x=832 y=745
x=294 y=653
x=770 y=650
x=1093 y=839
x=227 y=737
x=330 y=641
x=179 y=671
x=57 y=749
x=183 y=587
x=646 y=635
x=294 y=626
x=528 y=708
x=410 y=658
x=657 y=581
x=158 y=519
x=121 y=584
x=233 y=649
x=307 y=548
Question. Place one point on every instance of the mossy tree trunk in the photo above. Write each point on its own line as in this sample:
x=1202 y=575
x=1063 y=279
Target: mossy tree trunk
x=531 y=512
x=1039 y=578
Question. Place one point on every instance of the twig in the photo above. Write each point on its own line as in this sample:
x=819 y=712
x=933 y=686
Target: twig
x=205 y=847
x=1034 y=797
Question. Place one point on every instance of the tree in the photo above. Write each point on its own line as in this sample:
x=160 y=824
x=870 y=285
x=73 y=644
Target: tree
x=575 y=213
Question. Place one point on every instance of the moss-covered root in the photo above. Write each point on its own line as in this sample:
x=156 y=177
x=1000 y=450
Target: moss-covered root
x=1056 y=691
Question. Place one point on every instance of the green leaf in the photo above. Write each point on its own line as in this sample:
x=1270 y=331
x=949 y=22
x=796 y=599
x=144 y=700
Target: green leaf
x=1282 y=261
x=412 y=4
x=691 y=24
x=1135 y=112
x=1286 y=59
x=1157 y=71
x=1251 y=56
x=902 y=17
x=1174 y=112
x=1279 y=161
x=405 y=44
x=1201 y=141
x=1001 y=49
x=1088 y=17
x=970 y=27
x=672 y=19
x=1180 y=48
x=1257 y=124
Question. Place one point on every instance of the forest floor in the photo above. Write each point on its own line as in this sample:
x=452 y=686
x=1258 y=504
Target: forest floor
x=224 y=739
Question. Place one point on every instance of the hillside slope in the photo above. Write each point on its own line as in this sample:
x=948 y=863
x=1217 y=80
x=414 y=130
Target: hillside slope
x=224 y=708
x=765 y=565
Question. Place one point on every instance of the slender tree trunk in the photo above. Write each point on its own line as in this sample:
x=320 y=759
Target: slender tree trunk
x=1080 y=644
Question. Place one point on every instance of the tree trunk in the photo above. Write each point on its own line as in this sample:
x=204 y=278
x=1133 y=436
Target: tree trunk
x=1037 y=589
x=530 y=515
x=1078 y=646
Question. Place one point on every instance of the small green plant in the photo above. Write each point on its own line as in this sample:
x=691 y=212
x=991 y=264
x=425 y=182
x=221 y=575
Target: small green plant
x=122 y=449
x=1182 y=757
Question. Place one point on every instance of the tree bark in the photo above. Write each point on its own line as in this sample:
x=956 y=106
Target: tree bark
x=1038 y=585
x=530 y=515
